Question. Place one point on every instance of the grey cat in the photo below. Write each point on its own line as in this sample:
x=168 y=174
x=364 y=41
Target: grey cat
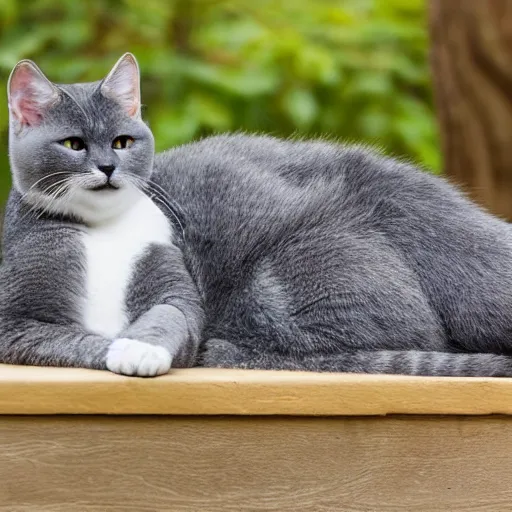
x=263 y=254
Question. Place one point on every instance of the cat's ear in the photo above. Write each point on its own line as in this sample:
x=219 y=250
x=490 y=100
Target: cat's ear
x=30 y=93
x=122 y=84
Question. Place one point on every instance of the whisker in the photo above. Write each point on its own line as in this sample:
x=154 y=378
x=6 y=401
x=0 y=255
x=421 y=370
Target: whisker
x=60 y=187
x=42 y=179
x=158 y=190
x=57 y=183
x=38 y=201
x=163 y=203
x=31 y=210
x=37 y=206
x=163 y=193
x=166 y=195
x=160 y=196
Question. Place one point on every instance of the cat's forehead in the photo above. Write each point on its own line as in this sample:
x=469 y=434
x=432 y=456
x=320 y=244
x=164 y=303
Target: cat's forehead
x=81 y=92
x=84 y=105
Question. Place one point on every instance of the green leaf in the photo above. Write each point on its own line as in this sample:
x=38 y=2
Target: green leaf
x=210 y=112
x=301 y=106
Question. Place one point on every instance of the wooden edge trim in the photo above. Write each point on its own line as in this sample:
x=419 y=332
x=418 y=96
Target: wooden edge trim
x=202 y=391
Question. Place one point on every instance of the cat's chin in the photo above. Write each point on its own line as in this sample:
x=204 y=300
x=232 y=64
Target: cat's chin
x=103 y=204
x=92 y=206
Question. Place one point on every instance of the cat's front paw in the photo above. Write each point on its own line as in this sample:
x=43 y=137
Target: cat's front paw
x=132 y=357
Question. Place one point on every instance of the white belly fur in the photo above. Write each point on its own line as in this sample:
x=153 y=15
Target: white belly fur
x=112 y=251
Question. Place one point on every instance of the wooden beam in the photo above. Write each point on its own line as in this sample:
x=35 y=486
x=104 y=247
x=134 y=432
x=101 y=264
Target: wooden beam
x=201 y=391
x=280 y=464
x=291 y=441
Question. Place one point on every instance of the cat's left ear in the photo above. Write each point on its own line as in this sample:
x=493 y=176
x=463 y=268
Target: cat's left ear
x=122 y=84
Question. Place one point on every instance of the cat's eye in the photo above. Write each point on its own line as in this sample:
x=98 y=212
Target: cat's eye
x=123 y=142
x=74 y=143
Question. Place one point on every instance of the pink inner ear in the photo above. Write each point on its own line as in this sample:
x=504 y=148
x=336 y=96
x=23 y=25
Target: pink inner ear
x=27 y=111
x=122 y=85
x=29 y=95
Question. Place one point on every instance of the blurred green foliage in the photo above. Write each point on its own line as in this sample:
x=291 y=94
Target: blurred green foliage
x=350 y=69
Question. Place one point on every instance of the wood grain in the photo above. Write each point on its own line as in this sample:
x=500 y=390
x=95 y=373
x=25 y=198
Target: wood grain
x=202 y=391
x=187 y=464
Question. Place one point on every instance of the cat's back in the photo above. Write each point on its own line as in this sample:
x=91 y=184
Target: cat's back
x=230 y=170
x=355 y=178
x=251 y=158
x=238 y=187
x=224 y=186
x=245 y=180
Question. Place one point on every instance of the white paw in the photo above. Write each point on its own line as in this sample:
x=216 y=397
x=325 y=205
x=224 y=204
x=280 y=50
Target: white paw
x=132 y=357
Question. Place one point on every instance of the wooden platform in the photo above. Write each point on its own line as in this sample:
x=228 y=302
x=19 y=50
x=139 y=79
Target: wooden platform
x=217 y=440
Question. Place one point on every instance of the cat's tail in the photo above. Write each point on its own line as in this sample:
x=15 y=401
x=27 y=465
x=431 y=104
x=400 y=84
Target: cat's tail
x=413 y=362
x=220 y=353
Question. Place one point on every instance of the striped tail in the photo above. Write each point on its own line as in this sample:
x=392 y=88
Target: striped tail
x=223 y=354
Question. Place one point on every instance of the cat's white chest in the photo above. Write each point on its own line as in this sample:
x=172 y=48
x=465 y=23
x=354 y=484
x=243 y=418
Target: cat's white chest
x=112 y=250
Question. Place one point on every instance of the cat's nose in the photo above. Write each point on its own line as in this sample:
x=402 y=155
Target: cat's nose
x=107 y=169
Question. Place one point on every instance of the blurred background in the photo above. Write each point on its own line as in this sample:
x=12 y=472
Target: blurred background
x=355 y=70
x=349 y=69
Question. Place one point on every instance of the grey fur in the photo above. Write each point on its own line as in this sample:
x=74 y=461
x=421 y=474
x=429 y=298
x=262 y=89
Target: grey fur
x=286 y=255
x=316 y=256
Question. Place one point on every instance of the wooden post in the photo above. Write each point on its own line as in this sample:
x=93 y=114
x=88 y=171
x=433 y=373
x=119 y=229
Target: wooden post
x=471 y=59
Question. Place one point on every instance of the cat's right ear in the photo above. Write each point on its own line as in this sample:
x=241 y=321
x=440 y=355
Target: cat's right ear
x=30 y=94
x=122 y=84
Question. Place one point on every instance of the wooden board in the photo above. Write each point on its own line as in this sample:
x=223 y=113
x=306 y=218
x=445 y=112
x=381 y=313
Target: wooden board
x=190 y=464
x=201 y=391
x=32 y=390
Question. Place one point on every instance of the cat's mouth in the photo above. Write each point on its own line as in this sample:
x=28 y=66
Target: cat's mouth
x=104 y=186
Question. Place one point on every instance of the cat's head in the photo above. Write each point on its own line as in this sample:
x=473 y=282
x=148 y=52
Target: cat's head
x=80 y=149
